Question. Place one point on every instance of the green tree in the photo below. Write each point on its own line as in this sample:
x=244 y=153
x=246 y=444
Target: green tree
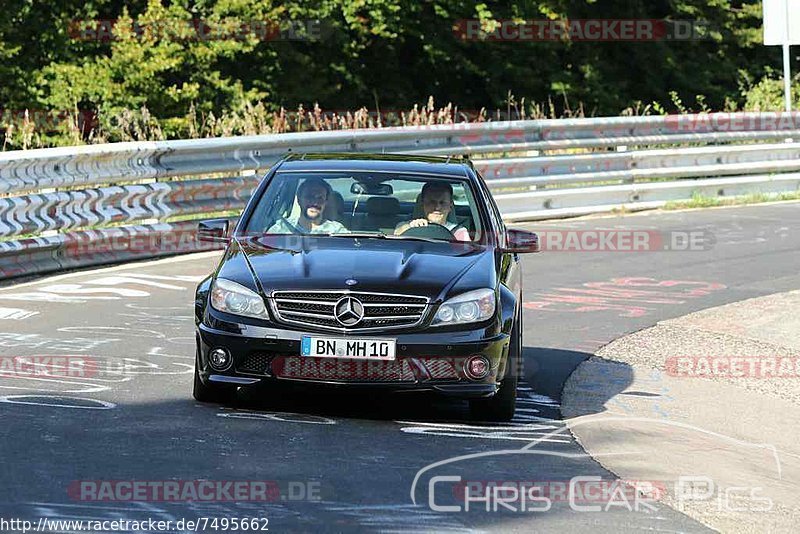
x=158 y=77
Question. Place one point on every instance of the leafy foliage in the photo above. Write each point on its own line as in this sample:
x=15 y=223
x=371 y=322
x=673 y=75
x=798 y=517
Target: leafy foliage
x=182 y=68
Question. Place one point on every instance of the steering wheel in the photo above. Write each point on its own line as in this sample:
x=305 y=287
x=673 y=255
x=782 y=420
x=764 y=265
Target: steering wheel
x=431 y=231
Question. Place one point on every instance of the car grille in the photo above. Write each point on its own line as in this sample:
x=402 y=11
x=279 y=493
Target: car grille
x=342 y=370
x=255 y=363
x=284 y=365
x=440 y=368
x=382 y=311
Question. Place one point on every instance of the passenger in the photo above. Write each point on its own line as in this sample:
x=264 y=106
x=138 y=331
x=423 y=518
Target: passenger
x=436 y=201
x=312 y=196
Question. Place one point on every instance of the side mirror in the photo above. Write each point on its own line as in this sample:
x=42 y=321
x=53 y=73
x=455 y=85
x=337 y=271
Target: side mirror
x=214 y=230
x=521 y=241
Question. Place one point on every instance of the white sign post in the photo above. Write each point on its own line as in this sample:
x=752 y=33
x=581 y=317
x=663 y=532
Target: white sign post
x=782 y=27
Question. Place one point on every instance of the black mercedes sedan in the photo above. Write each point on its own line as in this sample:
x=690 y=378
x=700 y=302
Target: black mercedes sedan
x=371 y=271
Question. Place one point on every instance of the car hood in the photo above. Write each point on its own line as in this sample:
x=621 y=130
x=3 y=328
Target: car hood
x=433 y=270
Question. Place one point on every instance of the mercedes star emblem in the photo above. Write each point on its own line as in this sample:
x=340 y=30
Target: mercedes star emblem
x=349 y=311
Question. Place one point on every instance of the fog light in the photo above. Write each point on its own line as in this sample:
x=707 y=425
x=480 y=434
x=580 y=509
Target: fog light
x=477 y=367
x=219 y=359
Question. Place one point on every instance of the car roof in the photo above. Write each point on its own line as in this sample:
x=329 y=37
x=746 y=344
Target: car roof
x=401 y=163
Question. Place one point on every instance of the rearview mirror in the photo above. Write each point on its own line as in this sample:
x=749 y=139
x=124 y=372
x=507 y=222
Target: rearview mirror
x=371 y=188
x=521 y=241
x=214 y=230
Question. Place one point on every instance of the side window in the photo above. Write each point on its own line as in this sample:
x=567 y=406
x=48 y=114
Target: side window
x=276 y=199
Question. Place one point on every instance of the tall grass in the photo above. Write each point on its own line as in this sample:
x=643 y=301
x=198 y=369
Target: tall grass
x=250 y=118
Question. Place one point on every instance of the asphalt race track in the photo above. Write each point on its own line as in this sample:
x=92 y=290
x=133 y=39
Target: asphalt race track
x=346 y=463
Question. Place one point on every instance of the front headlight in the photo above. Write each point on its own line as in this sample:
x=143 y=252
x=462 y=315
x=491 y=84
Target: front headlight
x=230 y=297
x=470 y=307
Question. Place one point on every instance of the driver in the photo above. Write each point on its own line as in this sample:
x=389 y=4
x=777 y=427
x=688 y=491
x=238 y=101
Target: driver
x=312 y=196
x=437 y=203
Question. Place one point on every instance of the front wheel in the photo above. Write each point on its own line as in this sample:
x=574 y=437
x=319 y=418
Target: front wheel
x=502 y=405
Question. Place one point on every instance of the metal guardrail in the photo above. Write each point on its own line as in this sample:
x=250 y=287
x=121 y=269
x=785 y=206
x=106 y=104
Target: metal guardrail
x=586 y=200
x=29 y=256
x=88 y=208
x=629 y=166
x=68 y=207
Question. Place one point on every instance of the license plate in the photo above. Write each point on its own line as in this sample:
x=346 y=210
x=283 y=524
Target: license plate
x=360 y=349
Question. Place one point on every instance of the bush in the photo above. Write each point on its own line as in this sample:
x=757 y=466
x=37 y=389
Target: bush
x=767 y=94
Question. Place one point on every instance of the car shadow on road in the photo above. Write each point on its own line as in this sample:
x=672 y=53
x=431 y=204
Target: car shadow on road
x=544 y=373
x=548 y=370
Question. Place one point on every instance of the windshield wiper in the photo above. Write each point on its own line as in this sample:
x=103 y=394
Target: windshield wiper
x=376 y=235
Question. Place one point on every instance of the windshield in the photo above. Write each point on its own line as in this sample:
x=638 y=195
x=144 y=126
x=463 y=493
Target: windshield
x=381 y=205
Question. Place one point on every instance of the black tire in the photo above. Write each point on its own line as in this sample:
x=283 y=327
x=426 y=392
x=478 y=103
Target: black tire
x=502 y=405
x=209 y=392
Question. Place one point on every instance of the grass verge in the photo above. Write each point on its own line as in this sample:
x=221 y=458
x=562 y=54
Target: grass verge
x=702 y=201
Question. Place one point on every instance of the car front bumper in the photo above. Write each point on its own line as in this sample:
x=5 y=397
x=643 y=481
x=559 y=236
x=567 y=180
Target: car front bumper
x=425 y=361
